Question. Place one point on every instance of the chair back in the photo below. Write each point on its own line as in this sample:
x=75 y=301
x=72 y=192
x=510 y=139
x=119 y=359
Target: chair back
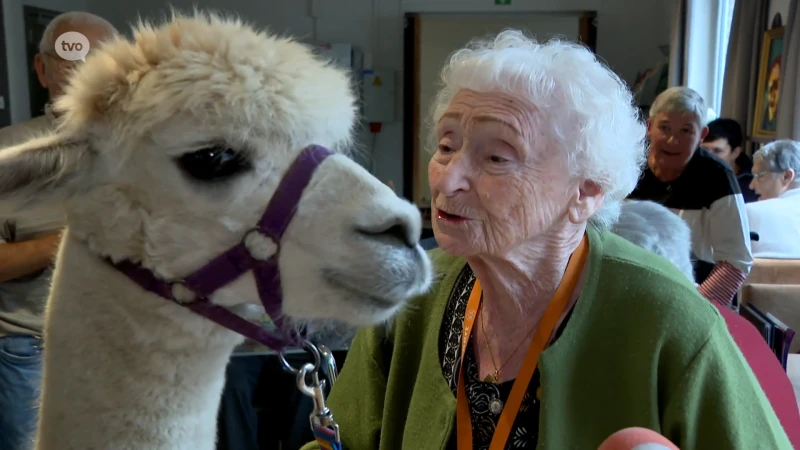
x=773 y=286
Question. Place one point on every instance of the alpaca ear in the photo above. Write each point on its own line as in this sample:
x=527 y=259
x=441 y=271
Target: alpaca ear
x=48 y=169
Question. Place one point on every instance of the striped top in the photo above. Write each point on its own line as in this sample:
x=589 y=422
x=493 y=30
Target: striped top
x=708 y=198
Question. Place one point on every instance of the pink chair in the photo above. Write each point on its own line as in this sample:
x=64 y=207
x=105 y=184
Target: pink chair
x=768 y=371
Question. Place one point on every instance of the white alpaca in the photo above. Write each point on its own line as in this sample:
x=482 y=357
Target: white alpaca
x=656 y=228
x=170 y=148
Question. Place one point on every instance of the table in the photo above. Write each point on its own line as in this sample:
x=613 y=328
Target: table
x=793 y=370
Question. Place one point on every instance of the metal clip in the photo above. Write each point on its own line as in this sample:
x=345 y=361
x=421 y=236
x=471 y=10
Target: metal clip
x=329 y=364
x=321 y=415
x=321 y=418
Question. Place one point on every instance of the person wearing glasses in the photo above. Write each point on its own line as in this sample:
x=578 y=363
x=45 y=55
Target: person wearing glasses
x=699 y=187
x=28 y=242
x=776 y=214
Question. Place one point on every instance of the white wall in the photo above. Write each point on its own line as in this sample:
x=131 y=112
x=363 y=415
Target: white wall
x=14 y=40
x=778 y=6
x=441 y=35
x=629 y=32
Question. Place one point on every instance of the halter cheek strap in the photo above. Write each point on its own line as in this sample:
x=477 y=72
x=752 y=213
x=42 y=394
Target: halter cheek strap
x=193 y=292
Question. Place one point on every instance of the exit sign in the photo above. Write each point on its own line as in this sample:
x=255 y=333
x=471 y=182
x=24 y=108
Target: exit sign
x=502 y=2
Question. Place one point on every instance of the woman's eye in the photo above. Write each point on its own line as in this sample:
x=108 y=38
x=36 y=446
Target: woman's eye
x=444 y=149
x=213 y=163
x=497 y=159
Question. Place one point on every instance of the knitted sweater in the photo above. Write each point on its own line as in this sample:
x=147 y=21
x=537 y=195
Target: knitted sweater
x=642 y=348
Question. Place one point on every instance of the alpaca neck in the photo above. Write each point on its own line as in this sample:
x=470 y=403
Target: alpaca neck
x=124 y=368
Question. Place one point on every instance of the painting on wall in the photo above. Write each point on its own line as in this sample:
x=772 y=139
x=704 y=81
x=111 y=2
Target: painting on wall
x=769 y=83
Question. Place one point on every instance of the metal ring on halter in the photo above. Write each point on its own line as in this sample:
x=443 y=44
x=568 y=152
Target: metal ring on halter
x=251 y=230
x=172 y=284
x=309 y=347
x=263 y=233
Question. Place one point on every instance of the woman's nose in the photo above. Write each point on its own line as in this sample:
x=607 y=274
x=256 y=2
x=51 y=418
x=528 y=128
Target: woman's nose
x=453 y=177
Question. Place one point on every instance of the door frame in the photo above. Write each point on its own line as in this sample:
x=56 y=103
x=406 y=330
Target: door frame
x=5 y=112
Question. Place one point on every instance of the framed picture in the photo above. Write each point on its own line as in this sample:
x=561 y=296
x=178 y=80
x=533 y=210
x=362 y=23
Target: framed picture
x=769 y=83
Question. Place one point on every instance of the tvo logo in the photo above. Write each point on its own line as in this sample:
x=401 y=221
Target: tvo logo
x=72 y=46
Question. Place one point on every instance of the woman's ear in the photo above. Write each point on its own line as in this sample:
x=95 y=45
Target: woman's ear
x=49 y=169
x=588 y=201
x=789 y=176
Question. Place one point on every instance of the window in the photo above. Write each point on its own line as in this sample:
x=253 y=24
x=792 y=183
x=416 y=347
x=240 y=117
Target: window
x=708 y=28
x=725 y=17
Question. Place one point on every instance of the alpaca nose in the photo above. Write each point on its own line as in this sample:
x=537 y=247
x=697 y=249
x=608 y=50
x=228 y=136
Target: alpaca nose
x=397 y=230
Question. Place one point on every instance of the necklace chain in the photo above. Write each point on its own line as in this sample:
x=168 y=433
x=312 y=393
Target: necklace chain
x=495 y=377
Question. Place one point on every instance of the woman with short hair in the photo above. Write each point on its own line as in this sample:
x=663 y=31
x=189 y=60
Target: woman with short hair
x=544 y=330
x=699 y=187
x=776 y=214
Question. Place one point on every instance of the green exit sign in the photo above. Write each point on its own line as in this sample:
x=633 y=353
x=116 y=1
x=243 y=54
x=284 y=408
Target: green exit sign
x=502 y=2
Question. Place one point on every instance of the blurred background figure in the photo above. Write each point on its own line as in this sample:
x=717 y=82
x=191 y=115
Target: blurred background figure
x=27 y=246
x=725 y=139
x=699 y=187
x=776 y=214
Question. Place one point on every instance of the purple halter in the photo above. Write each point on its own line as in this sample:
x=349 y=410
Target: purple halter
x=238 y=260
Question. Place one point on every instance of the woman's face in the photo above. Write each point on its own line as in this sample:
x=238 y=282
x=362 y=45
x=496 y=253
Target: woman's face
x=769 y=184
x=495 y=181
x=673 y=139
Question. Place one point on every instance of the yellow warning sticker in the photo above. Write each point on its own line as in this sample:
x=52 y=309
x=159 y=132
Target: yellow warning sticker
x=377 y=82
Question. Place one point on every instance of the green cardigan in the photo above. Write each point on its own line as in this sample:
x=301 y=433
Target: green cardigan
x=642 y=348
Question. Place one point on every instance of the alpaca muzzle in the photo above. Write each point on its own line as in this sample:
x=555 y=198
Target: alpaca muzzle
x=258 y=252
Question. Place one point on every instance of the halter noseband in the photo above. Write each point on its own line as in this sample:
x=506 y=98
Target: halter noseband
x=193 y=291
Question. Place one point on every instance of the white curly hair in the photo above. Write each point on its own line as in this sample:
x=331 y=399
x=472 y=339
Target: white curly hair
x=583 y=108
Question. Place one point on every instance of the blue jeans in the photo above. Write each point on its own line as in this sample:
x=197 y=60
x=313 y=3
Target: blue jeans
x=20 y=377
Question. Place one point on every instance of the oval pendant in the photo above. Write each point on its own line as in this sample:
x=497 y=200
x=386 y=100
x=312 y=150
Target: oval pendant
x=495 y=406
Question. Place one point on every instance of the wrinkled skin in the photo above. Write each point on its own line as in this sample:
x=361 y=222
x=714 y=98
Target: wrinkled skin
x=502 y=198
x=768 y=184
x=673 y=137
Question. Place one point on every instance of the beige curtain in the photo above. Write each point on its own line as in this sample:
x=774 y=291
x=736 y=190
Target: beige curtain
x=677 y=45
x=741 y=66
x=788 y=122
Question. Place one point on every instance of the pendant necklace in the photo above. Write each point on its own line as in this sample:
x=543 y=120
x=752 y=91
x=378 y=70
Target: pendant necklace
x=495 y=404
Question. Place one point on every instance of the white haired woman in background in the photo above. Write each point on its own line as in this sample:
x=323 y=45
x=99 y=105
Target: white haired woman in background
x=701 y=188
x=545 y=329
x=776 y=214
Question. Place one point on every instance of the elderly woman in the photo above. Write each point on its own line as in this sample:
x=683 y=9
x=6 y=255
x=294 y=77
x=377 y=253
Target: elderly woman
x=776 y=215
x=545 y=329
x=699 y=187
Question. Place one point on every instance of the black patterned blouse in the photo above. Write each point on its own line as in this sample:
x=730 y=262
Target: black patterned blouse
x=484 y=398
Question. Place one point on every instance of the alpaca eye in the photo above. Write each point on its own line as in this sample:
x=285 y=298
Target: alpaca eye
x=213 y=163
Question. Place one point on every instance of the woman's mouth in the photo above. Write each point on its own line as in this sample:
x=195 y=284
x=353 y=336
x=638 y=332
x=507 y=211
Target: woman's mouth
x=448 y=217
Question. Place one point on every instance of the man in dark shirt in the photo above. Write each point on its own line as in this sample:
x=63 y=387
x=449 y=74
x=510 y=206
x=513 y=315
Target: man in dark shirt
x=701 y=189
x=725 y=139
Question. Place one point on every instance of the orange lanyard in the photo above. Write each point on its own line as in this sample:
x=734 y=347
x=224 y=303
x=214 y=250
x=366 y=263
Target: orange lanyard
x=547 y=324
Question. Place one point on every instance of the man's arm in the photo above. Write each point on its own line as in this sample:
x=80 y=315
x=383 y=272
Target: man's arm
x=18 y=259
x=730 y=240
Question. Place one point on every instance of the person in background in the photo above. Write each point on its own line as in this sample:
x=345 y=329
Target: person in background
x=544 y=329
x=700 y=188
x=776 y=215
x=725 y=139
x=28 y=241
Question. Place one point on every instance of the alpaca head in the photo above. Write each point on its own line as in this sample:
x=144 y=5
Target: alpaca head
x=171 y=145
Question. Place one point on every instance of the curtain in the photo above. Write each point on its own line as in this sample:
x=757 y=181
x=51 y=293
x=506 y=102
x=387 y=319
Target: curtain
x=744 y=54
x=788 y=122
x=695 y=53
x=677 y=48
